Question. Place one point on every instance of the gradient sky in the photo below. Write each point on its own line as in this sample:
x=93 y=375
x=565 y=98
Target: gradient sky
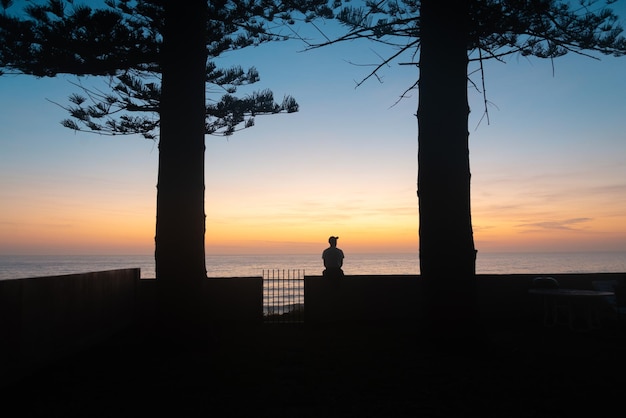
x=548 y=170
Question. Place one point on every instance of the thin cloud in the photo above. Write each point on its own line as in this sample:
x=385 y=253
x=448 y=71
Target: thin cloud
x=563 y=225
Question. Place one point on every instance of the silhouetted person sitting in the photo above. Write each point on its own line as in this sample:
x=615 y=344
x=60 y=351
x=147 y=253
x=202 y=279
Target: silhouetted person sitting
x=333 y=259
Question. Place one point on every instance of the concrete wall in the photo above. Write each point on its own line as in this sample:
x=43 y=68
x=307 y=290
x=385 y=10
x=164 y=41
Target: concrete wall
x=357 y=298
x=399 y=297
x=227 y=300
x=43 y=318
x=235 y=300
x=507 y=295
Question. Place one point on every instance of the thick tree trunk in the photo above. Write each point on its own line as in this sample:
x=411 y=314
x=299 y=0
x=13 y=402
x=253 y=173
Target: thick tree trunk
x=180 y=225
x=447 y=254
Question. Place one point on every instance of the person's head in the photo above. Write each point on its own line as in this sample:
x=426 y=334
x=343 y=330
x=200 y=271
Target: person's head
x=333 y=241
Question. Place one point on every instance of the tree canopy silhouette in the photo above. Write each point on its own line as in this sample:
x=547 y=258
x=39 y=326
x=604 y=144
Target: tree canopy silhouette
x=123 y=42
x=126 y=42
x=442 y=39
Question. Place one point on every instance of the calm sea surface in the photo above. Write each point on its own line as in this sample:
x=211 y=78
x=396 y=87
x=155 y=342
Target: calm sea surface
x=22 y=266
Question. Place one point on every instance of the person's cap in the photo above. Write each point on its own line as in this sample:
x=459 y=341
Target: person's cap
x=333 y=239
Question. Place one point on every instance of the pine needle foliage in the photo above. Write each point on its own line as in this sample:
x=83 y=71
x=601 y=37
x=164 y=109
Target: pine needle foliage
x=121 y=41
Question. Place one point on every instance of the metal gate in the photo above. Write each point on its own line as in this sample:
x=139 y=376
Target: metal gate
x=283 y=296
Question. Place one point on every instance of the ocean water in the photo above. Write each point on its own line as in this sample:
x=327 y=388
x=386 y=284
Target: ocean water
x=24 y=266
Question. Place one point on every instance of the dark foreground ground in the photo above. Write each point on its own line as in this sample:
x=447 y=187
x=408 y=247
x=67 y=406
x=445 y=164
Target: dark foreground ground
x=338 y=370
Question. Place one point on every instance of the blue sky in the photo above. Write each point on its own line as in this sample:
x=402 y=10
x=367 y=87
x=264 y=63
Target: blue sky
x=548 y=170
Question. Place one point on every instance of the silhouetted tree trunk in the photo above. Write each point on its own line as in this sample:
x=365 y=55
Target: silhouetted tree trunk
x=180 y=225
x=444 y=33
x=447 y=254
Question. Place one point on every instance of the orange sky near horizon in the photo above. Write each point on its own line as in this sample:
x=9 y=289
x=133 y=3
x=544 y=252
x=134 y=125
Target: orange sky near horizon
x=127 y=227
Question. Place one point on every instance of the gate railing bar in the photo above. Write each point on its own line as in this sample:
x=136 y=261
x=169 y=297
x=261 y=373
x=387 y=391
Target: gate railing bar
x=283 y=296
